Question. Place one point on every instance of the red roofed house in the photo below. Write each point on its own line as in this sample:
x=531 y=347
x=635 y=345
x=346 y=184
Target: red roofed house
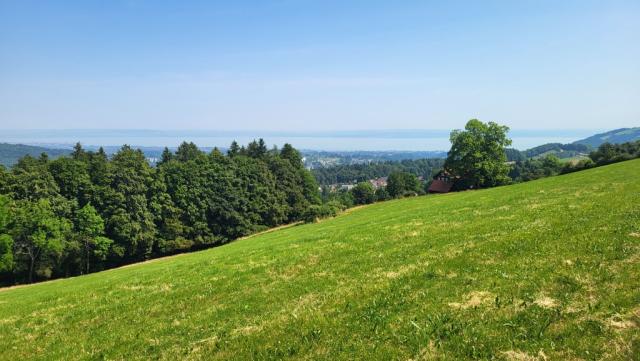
x=442 y=182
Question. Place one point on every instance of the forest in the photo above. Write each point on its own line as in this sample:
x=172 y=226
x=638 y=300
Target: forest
x=88 y=212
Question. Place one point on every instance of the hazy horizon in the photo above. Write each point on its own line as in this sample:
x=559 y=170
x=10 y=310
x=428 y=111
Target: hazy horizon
x=344 y=140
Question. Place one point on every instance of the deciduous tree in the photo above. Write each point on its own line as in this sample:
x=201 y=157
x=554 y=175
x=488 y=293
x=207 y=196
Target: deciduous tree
x=478 y=155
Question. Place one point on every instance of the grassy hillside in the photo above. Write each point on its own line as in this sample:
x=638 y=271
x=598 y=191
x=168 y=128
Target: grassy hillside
x=545 y=269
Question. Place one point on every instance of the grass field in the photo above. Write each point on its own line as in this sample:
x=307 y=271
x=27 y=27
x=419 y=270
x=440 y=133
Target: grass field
x=548 y=269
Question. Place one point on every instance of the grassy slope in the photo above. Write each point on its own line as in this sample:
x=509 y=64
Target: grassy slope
x=549 y=267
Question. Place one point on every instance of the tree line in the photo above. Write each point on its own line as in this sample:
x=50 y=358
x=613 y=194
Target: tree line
x=551 y=165
x=88 y=211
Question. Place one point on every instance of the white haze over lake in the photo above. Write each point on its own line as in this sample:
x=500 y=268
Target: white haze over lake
x=378 y=140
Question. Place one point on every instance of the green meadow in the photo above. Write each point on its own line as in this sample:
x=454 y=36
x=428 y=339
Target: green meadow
x=548 y=269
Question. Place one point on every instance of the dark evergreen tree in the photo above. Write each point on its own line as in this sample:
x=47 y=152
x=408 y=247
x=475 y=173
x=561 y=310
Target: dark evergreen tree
x=291 y=154
x=234 y=149
x=166 y=156
x=188 y=151
x=257 y=149
x=78 y=152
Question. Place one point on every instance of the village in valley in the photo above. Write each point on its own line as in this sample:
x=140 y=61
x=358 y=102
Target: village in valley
x=442 y=182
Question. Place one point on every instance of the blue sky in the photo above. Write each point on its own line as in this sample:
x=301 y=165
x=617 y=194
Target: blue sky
x=319 y=65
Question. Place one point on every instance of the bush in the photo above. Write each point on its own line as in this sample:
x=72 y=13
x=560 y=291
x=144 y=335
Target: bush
x=317 y=212
x=580 y=165
x=611 y=153
x=402 y=184
x=363 y=193
x=382 y=194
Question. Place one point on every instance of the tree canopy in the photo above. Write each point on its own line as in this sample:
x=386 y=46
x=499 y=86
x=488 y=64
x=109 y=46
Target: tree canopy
x=363 y=193
x=478 y=155
x=88 y=212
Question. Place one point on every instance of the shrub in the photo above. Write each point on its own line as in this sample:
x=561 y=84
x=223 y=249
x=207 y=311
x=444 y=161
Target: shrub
x=363 y=193
x=317 y=212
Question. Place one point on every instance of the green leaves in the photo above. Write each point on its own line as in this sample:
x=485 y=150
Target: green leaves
x=39 y=236
x=400 y=184
x=6 y=254
x=87 y=212
x=478 y=155
x=363 y=193
x=6 y=242
x=102 y=247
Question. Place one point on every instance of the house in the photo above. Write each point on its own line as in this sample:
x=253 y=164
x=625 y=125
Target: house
x=346 y=187
x=442 y=182
x=379 y=182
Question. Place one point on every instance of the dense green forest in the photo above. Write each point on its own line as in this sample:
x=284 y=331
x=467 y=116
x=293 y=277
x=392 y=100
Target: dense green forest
x=88 y=212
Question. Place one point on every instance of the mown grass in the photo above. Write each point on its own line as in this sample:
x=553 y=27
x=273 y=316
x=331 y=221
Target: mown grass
x=548 y=269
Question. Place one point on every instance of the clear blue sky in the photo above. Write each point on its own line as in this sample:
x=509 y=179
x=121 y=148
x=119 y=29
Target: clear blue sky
x=307 y=65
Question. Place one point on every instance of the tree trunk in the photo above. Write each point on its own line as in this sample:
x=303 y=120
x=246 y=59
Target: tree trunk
x=31 y=265
x=87 y=248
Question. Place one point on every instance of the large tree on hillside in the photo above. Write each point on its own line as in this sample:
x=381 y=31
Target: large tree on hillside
x=478 y=155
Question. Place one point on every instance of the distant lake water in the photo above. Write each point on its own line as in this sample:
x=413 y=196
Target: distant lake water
x=413 y=140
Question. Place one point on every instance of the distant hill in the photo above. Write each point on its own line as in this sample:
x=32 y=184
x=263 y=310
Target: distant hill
x=10 y=153
x=578 y=148
x=621 y=135
x=562 y=151
x=558 y=149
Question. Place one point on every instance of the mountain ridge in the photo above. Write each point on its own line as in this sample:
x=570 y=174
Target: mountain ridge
x=621 y=135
